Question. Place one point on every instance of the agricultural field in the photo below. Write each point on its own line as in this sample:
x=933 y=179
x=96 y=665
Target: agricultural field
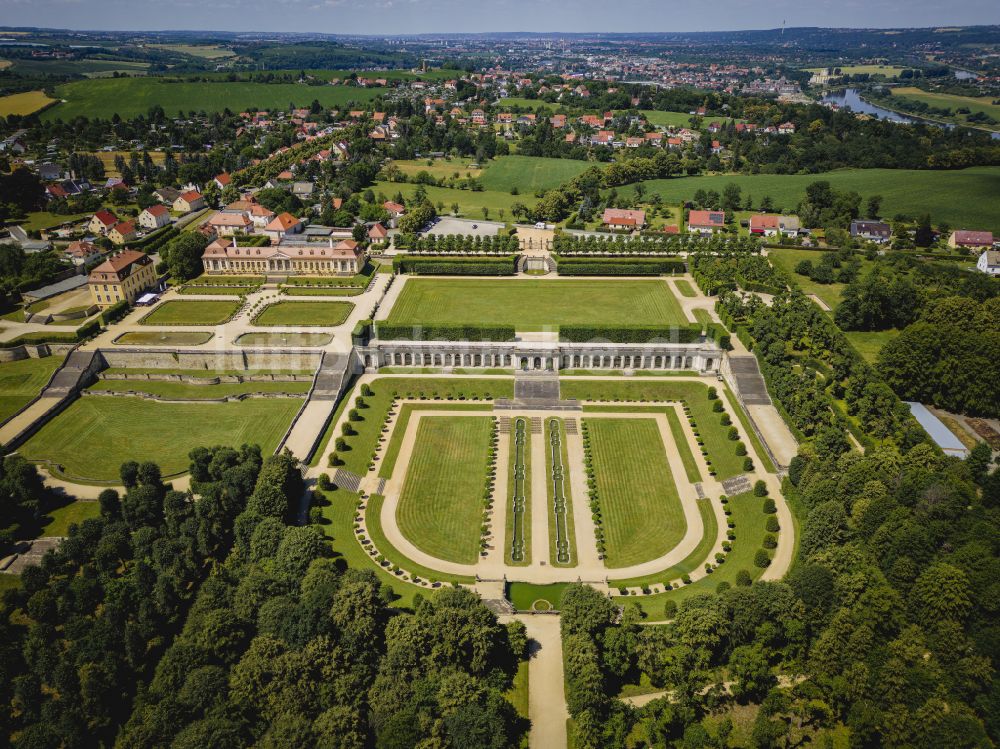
x=22 y=104
x=974 y=104
x=530 y=173
x=470 y=204
x=130 y=97
x=535 y=305
x=305 y=314
x=193 y=312
x=889 y=71
x=641 y=511
x=20 y=381
x=441 y=503
x=92 y=437
x=962 y=198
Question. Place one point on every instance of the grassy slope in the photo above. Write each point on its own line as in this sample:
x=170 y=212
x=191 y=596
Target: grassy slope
x=193 y=312
x=130 y=97
x=20 y=381
x=530 y=173
x=965 y=198
x=325 y=314
x=642 y=513
x=95 y=435
x=536 y=304
x=441 y=503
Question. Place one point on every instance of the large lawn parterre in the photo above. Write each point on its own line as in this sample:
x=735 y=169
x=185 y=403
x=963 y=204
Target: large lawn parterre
x=642 y=514
x=95 y=435
x=441 y=503
x=20 y=381
x=305 y=314
x=192 y=312
x=535 y=305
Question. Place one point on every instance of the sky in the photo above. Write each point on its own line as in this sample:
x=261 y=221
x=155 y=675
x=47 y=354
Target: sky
x=421 y=16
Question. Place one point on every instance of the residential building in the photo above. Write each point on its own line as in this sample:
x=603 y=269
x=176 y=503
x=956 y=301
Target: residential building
x=283 y=223
x=344 y=258
x=618 y=218
x=227 y=224
x=976 y=240
x=81 y=252
x=154 y=217
x=190 y=201
x=122 y=232
x=706 y=222
x=123 y=276
x=772 y=224
x=102 y=222
x=871 y=231
x=989 y=263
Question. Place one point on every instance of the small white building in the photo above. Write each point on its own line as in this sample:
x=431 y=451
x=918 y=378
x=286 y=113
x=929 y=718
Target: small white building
x=989 y=263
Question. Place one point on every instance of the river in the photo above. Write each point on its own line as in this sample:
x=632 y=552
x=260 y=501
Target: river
x=849 y=98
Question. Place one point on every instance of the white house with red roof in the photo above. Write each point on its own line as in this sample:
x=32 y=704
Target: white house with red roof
x=706 y=222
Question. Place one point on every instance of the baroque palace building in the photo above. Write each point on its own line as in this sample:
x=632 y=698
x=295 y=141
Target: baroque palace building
x=226 y=257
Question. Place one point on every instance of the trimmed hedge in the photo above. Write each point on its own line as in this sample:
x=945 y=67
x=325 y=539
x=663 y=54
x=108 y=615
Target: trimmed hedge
x=455 y=266
x=495 y=333
x=619 y=267
x=116 y=311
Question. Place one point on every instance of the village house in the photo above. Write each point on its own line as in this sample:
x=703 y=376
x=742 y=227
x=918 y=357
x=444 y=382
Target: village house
x=313 y=259
x=188 y=202
x=122 y=232
x=154 y=217
x=82 y=251
x=102 y=222
x=706 y=222
x=123 y=276
x=619 y=218
x=989 y=263
x=975 y=240
x=772 y=224
x=227 y=223
x=871 y=231
x=283 y=224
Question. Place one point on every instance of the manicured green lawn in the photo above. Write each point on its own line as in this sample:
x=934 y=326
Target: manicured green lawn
x=95 y=435
x=441 y=503
x=530 y=173
x=693 y=561
x=685 y=288
x=165 y=338
x=721 y=450
x=642 y=514
x=373 y=518
x=20 y=381
x=187 y=391
x=284 y=339
x=58 y=521
x=305 y=314
x=566 y=521
x=130 y=97
x=519 y=479
x=535 y=304
x=362 y=445
x=749 y=518
x=962 y=198
x=869 y=344
x=192 y=312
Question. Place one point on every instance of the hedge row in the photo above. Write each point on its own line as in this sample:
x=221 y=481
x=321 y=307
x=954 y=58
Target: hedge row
x=495 y=333
x=616 y=267
x=450 y=266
